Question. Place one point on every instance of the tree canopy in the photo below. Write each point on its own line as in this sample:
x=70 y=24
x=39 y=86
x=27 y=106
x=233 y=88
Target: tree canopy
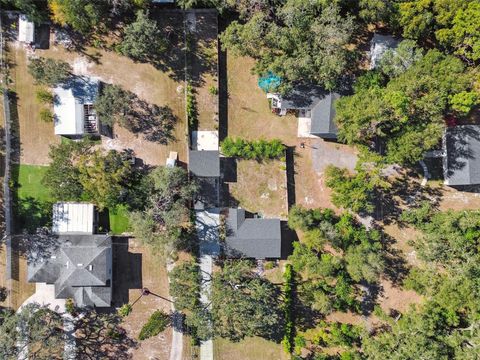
x=298 y=41
x=243 y=303
x=48 y=71
x=79 y=172
x=329 y=278
x=165 y=221
x=142 y=40
x=406 y=116
x=34 y=327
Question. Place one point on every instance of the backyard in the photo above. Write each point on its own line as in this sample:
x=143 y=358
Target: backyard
x=260 y=187
x=33 y=202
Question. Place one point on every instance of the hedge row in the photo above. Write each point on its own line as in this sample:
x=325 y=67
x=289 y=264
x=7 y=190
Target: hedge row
x=288 y=293
x=253 y=150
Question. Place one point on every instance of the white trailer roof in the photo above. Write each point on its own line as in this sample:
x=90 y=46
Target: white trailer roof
x=71 y=218
x=26 y=30
x=68 y=112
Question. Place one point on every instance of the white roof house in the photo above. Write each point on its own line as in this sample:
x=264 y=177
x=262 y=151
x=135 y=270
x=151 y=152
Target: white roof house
x=26 y=30
x=378 y=45
x=73 y=218
x=73 y=107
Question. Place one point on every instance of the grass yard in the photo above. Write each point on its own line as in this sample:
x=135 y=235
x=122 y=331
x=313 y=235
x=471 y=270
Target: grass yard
x=135 y=267
x=203 y=64
x=32 y=201
x=249 y=115
x=260 y=187
x=34 y=135
x=254 y=348
x=118 y=220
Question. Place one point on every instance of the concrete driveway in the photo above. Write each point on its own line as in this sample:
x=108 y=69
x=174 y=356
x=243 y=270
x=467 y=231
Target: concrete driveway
x=326 y=153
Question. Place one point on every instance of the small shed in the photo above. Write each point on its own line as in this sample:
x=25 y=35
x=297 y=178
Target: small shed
x=73 y=218
x=172 y=159
x=26 y=30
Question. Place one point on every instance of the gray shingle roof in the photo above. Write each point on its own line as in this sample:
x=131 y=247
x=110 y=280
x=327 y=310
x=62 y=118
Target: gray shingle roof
x=204 y=163
x=81 y=268
x=321 y=105
x=323 y=115
x=462 y=160
x=252 y=238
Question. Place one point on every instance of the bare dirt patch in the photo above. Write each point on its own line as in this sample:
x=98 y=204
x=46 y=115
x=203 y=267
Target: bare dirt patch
x=249 y=349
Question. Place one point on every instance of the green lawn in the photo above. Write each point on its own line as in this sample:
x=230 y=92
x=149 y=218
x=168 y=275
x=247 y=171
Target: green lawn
x=118 y=219
x=32 y=201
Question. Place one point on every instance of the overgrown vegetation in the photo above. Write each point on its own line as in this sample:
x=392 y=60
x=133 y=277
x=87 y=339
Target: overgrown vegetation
x=328 y=279
x=253 y=150
x=50 y=72
x=164 y=223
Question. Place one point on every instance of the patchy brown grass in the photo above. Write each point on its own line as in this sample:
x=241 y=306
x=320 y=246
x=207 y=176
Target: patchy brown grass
x=261 y=187
x=254 y=348
x=249 y=115
x=148 y=83
x=154 y=277
x=203 y=69
x=35 y=135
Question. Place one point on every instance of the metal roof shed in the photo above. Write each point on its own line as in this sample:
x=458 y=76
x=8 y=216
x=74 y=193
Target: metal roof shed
x=26 y=30
x=73 y=218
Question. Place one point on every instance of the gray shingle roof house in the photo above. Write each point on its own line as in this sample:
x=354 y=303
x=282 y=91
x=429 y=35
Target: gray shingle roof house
x=462 y=155
x=80 y=268
x=204 y=163
x=252 y=238
x=314 y=103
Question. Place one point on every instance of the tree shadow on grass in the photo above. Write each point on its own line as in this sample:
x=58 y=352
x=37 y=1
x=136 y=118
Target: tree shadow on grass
x=31 y=214
x=155 y=123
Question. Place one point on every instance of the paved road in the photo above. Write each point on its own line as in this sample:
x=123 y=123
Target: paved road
x=207 y=223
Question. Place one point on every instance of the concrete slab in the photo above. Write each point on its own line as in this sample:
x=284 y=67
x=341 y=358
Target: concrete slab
x=205 y=140
x=304 y=127
x=326 y=153
x=45 y=295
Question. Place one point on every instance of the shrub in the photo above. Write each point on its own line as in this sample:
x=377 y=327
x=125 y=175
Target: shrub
x=155 y=325
x=69 y=306
x=125 y=310
x=46 y=115
x=44 y=96
x=253 y=150
x=213 y=90
x=191 y=107
x=48 y=71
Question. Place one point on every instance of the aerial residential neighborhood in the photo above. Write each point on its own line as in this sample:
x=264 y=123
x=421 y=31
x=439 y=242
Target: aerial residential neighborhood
x=240 y=179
